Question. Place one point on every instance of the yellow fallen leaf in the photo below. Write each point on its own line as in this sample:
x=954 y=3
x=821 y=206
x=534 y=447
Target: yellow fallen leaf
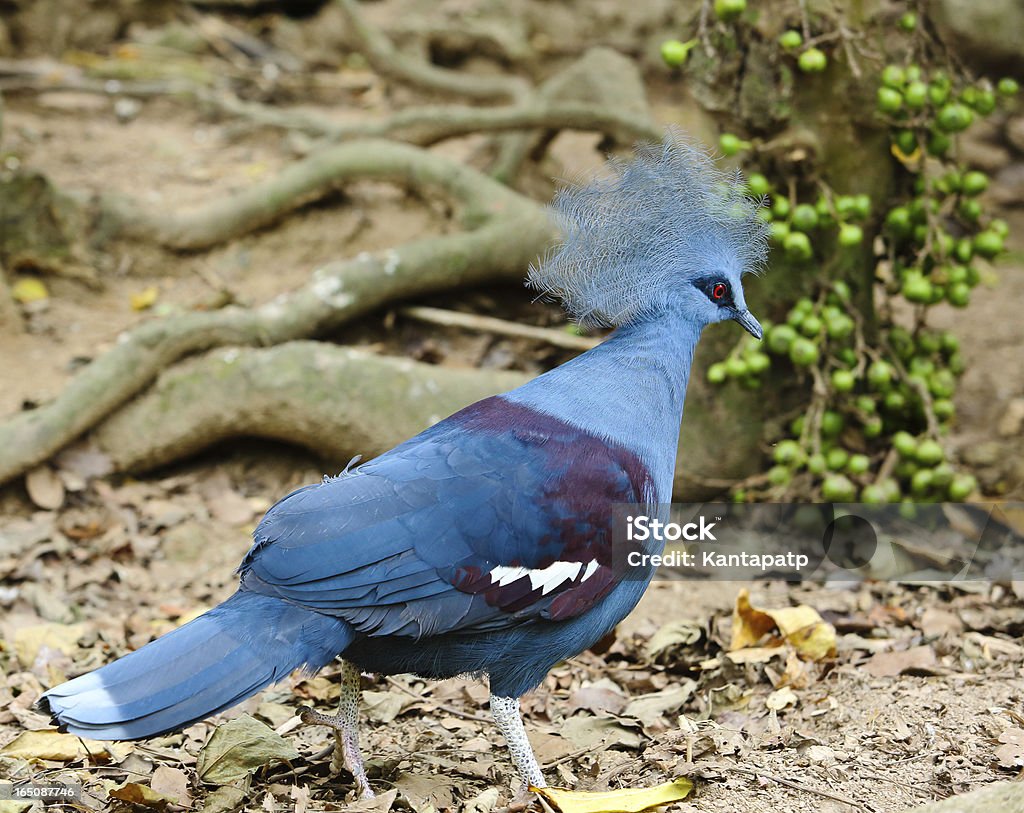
x=137 y=794
x=52 y=745
x=802 y=627
x=145 y=298
x=62 y=637
x=629 y=800
x=29 y=289
x=748 y=625
x=757 y=654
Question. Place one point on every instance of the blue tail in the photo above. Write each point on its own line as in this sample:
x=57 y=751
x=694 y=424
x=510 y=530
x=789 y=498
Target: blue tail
x=204 y=667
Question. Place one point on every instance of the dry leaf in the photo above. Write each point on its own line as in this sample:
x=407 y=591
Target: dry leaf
x=648 y=708
x=382 y=707
x=602 y=695
x=629 y=800
x=802 y=627
x=890 y=664
x=52 y=745
x=300 y=798
x=28 y=641
x=137 y=794
x=240 y=747
x=172 y=783
x=484 y=802
x=382 y=803
x=1011 y=753
x=45 y=488
x=674 y=634
x=593 y=732
x=757 y=654
x=935 y=621
x=781 y=698
x=224 y=800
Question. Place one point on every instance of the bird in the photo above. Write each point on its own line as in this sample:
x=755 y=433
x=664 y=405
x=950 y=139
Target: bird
x=484 y=545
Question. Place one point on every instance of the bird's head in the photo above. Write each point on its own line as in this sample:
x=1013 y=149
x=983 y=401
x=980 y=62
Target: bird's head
x=667 y=235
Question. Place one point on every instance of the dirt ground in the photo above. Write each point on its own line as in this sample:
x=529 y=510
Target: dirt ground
x=924 y=697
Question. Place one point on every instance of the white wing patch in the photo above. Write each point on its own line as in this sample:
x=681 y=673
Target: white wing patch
x=544 y=579
x=506 y=575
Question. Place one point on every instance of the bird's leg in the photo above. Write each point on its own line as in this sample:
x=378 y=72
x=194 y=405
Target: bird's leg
x=346 y=728
x=506 y=715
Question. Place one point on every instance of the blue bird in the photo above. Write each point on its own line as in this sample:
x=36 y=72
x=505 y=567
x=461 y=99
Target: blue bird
x=484 y=544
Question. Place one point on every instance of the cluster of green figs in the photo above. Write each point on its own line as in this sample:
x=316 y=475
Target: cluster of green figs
x=882 y=388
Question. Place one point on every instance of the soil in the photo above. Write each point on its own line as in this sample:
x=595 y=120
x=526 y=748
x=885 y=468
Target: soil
x=870 y=727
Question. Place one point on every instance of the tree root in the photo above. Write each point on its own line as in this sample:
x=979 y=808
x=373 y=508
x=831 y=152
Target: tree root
x=301 y=183
x=423 y=126
x=511 y=231
x=389 y=61
x=430 y=124
x=324 y=397
x=601 y=78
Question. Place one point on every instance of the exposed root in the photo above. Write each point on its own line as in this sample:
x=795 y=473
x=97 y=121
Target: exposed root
x=301 y=183
x=428 y=125
x=326 y=398
x=511 y=231
x=389 y=61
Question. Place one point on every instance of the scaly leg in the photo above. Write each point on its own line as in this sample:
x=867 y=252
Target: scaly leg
x=346 y=728
x=506 y=715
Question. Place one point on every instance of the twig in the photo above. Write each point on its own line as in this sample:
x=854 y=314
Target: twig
x=465 y=715
x=805 y=23
x=702 y=29
x=488 y=324
x=789 y=783
x=919 y=387
x=915 y=788
x=846 y=37
x=888 y=464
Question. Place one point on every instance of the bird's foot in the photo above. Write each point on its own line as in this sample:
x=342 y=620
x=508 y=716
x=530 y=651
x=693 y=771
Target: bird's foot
x=506 y=715
x=346 y=748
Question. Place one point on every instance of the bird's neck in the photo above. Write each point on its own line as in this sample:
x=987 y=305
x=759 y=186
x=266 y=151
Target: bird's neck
x=629 y=389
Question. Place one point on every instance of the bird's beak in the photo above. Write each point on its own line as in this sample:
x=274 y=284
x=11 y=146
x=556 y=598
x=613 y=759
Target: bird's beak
x=750 y=324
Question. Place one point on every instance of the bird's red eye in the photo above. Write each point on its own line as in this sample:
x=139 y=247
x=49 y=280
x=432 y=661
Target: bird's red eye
x=718 y=291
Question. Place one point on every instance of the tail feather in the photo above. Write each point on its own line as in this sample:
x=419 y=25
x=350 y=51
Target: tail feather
x=206 y=666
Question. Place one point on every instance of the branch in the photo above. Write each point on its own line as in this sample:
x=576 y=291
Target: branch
x=514 y=231
x=502 y=327
x=321 y=396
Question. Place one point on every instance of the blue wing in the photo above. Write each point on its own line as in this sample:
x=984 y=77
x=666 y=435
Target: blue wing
x=494 y=517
